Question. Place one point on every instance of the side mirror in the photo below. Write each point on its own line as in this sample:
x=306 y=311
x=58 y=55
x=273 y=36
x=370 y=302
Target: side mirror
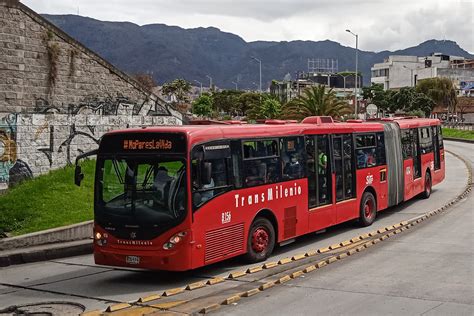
x=78 y=176
x=206 y=168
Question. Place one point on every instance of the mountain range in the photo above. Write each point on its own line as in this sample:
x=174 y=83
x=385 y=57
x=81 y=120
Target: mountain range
x=170 y=52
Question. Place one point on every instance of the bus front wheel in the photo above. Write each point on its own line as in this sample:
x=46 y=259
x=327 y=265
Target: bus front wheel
x=368 y=209
x=261 y=240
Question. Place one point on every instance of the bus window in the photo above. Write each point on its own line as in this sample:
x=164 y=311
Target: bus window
x=292 y=157
x=319 y=172
x=324 y=171
x=349 y=179
x=366 y=151
x=381 y=155
x=426 y=142
x=215 y=156
x=261 y=163
x=416 y=153
x=407 y=143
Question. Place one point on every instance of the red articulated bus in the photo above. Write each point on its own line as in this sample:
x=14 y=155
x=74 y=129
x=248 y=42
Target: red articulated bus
x=181 y=197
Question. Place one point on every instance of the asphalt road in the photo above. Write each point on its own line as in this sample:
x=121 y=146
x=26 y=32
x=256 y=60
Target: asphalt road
x=430 y=268
x=425 y=271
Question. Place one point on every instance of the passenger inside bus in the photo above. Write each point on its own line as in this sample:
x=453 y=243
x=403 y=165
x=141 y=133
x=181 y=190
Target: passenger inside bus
x=162 y=182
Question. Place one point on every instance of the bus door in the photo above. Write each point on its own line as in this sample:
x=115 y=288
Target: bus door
x=321 y=211
x=344 y=171
x=436 y=148
x=417 y=183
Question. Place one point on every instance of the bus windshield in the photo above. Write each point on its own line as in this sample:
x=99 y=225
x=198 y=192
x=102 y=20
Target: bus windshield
x=141 y=190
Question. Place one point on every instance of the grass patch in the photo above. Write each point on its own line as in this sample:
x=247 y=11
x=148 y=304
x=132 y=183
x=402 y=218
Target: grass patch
x=457 y=133
x=48 y=201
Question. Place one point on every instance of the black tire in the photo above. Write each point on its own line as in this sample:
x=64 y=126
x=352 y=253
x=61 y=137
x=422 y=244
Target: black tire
x=427 y=192
x=368 y=209
x=257 y=248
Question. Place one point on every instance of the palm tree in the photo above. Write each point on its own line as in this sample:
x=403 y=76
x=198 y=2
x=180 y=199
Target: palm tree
x=316 y=101
x=441 y=90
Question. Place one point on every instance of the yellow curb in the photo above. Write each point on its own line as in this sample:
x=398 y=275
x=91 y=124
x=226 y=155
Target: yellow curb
x=174 y=291
x=298 y=257
x=398 y=231
x=351 y=252
x=284 y=261
x=231 y=300
x=311 y=253
x=284 y=279
x=92 y=313
x=117 y=307
x=404 y=223
x=381 y=230
x=320 y=264
x=397 y=225
x=195 y=285
x=345 y=243
x=215 y=281
x=296 y=274
x=309 y=269
x=368 y=244
x=266 y=286
x=360 y=248
x=149 y=298
x=364 y=236
x=341 y=256
x=356 y=239
x=254 y=269
x=335 y=246
x=269 y=265
x=322 y=250
x=251 y=292
x=383 y=237
x=375 y=241
x=209 y=308
x=236 y=274
x=331 y=260
x=371 y=234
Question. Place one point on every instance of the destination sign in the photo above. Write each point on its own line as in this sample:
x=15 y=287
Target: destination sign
x=143 y=143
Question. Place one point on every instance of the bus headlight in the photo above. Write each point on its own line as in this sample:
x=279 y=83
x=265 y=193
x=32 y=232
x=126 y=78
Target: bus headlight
x=175 y=239
x=100 y=239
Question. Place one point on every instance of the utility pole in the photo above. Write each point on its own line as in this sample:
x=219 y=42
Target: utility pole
x=235 y=83
x=357 y=70
x=210 y=82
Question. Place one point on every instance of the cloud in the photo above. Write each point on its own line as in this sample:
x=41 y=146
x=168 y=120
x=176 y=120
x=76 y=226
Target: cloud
x=381 y=24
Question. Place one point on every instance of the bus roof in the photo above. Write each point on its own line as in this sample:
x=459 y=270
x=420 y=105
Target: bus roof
x=201 y=133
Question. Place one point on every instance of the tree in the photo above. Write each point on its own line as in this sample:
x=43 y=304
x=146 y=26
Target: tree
x=440 y=90
x=422 y=103
x=316 y=100
x=249 y=101
x=270 y=108
x=402 y=100
x=377 y=95
x=180 y=88
x=202 y=106
x=227 y=101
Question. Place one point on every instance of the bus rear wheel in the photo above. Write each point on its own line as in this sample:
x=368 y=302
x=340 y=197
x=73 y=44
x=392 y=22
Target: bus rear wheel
x=427 y=192
x=368 y=209
x=261 y=240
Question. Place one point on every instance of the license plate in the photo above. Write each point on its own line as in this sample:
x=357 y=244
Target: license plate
x=132 y=259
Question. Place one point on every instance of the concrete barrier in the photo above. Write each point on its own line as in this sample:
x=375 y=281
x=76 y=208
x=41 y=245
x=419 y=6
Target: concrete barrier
x=54 y=235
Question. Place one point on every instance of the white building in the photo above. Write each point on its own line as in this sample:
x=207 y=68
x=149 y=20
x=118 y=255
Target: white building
x=404 y=71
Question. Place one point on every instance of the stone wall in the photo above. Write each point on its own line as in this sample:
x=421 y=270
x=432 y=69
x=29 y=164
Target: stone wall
x=57 y=97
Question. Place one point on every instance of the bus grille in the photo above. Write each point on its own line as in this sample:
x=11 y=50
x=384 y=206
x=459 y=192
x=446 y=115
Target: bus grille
x=224 y=241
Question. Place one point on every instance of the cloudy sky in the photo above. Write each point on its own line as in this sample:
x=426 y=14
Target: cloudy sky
x=381 y=24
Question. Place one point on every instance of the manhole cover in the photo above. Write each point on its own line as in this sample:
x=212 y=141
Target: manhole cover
x=44 y=309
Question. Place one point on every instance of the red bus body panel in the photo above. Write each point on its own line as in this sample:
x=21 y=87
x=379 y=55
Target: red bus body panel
x=219 y=229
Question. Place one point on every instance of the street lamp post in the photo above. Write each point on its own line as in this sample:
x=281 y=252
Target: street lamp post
x=200 y=83
x=357 y=65
x=260 y=71
x=210 y=82
x=235 y=83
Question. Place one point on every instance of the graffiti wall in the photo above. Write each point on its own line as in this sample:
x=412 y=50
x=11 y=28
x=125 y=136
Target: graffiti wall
x=32 y=144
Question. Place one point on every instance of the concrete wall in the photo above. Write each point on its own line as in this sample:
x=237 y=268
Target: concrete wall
x=57 y=98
